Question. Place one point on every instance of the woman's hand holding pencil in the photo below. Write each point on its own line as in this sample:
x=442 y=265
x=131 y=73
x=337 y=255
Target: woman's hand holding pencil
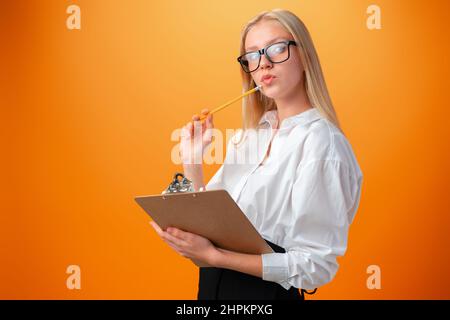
x=196 y=136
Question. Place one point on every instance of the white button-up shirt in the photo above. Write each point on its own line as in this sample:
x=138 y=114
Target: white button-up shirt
x=303 y=197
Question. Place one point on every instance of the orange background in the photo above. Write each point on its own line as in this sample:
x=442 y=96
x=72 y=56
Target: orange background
x=87 y=117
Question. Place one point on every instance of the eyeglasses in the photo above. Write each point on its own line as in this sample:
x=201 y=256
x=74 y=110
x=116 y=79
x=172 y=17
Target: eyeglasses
x=276 y=53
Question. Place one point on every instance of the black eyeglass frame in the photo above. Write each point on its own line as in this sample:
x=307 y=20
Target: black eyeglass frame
x=263 y=51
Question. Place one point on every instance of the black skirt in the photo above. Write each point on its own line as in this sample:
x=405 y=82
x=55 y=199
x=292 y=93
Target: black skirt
x=226 y=284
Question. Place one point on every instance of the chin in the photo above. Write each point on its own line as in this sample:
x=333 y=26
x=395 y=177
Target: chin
x=272 y=92
x=278 y=92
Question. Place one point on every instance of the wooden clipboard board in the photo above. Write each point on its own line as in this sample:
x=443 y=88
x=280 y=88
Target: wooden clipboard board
x=212 y=214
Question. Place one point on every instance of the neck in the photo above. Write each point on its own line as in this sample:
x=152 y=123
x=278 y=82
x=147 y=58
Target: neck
x=293 y=103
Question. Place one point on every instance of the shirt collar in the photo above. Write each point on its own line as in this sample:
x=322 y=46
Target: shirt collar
x=271 y=117
x=303 y=117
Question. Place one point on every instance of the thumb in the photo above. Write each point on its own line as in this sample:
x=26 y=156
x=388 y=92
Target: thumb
x=209 y=129
x=209 y=122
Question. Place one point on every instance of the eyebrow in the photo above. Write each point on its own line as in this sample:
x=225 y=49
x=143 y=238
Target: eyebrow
x=271 y=41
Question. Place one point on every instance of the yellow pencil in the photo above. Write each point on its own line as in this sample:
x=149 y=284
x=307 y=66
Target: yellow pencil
x=203 y=116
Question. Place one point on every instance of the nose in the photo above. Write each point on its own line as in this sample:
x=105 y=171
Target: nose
x=265 y=63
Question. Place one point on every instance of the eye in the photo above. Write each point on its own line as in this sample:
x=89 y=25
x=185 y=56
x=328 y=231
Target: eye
x=252 y=56
x=277 y=48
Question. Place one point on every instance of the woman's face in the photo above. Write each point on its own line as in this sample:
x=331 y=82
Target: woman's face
x=287 y=74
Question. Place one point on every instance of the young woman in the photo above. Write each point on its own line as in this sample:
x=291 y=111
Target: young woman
x=303 y=190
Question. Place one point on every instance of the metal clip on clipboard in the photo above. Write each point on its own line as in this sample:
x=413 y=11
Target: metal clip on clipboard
x=177 y=186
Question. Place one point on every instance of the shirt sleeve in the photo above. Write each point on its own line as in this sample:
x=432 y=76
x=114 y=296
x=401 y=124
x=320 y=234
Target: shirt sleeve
x=216 y=182
x=325 y=196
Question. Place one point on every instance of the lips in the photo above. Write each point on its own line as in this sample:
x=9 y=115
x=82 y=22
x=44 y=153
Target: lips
x=266 y=76
x=267 y=79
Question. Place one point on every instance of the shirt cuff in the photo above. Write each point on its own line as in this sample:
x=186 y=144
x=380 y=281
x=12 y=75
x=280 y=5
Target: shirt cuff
x=275 y=268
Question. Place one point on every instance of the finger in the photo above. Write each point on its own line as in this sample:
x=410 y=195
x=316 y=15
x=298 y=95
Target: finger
x=180 y=234
x=209 y=126
x=176 y=248
x=178 y=242
x=156 y=227
x=195 y=123
x=190 y=128
x=204 y=127
x=197 y=128
x=172 y=245
x=208 y=136
x=204 y=114
x=184 y=132
x=209 y=122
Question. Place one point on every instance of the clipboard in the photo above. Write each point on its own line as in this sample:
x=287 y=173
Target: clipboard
x=212 y=214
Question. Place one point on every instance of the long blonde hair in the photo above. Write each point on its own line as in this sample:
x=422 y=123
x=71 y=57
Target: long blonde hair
x=256 y=104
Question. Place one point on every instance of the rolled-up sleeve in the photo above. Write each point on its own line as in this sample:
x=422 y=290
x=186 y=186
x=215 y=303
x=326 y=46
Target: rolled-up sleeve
x=325 y=196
